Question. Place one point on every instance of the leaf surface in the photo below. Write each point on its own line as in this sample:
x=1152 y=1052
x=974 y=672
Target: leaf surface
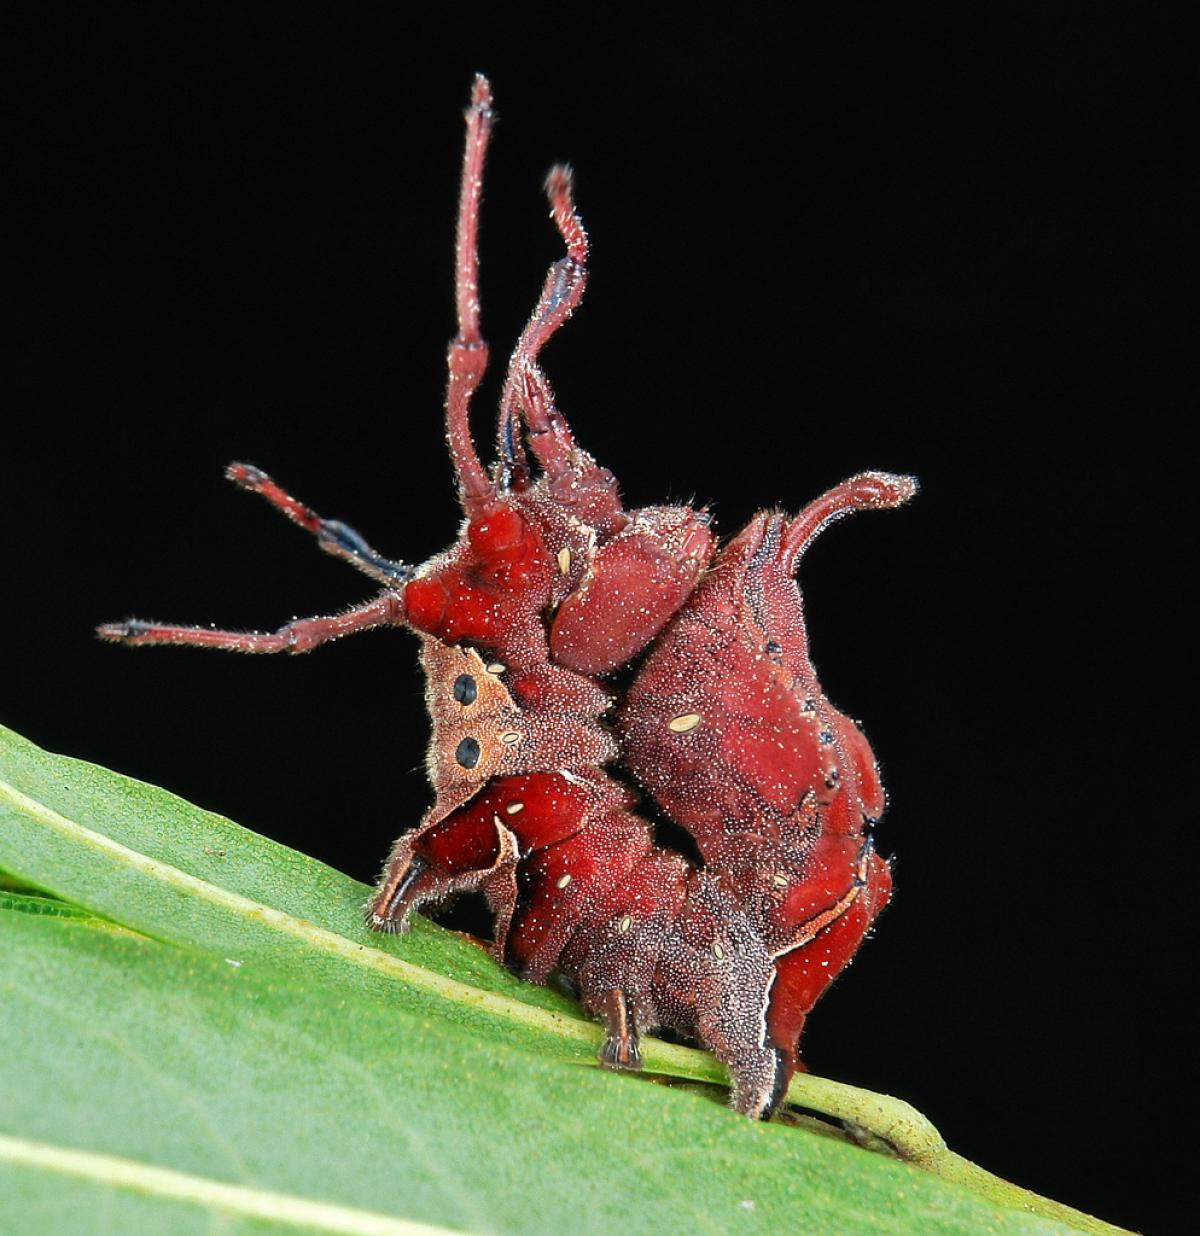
x=205 y=1037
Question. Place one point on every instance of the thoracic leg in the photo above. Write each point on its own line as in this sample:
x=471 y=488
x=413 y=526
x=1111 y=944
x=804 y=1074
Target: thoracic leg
x=462 y=851
x=476 y=846
x=386 y=610
x=332 y=536
x=468 y=356
x=525 y=388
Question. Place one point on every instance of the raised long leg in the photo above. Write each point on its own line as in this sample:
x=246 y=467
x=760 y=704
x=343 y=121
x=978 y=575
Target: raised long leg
x=468 y=355
x=333 y=536
x=526 y=390
x=386 y=610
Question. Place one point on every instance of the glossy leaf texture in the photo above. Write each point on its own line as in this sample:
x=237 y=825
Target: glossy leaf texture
x=199 y=1034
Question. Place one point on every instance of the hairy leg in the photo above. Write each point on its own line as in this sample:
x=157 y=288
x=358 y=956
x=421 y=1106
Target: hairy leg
x=386 y=610
x=333 y=536
x=468 y=355
x=620 y=1047
x=526 y=391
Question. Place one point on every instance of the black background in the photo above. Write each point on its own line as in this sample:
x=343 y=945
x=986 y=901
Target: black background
x=942 y=241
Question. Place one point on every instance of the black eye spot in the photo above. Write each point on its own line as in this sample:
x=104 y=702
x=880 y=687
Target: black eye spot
x=465 y=689
x=467 y=753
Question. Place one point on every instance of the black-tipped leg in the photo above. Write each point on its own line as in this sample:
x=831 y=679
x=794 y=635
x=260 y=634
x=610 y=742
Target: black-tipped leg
x=333 y=536
x=388 y=910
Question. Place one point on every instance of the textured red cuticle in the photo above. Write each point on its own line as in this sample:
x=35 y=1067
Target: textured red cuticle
x=719 y=718
x=574 y=649
x=425 y=601
x=502 y=528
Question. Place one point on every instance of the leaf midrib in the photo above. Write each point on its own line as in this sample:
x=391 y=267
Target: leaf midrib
x=168 y=1184
x=306 y=932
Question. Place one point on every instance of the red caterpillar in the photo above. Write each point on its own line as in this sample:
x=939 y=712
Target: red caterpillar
x=551 y=586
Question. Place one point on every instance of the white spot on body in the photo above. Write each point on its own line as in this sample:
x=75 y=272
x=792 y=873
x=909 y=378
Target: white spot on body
x=563 y=881
x=684 y=723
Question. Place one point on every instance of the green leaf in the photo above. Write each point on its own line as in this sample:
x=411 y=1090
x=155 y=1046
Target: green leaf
x=198 y=1031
